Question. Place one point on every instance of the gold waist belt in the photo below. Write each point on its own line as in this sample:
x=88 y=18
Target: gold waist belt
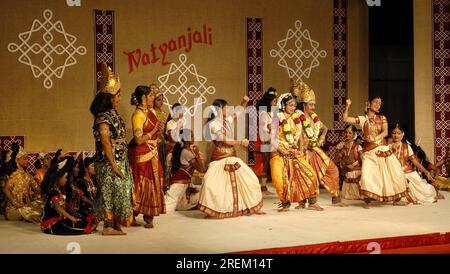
x=146 y=157
x=224 y=149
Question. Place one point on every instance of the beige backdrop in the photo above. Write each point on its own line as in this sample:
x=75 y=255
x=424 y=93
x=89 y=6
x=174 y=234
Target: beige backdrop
x=59 y=117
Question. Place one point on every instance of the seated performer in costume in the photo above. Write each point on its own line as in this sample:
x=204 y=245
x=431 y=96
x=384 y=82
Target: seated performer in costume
x=419 y=190
x=382 y=177
x=44 y=187
x=187 y=159
x=314 y=134
x=55 y=218
x=21 y=190
x=263 y=145
x=85 y=186
x=230 y=188
x=348 y=158
x=293 y=177
x=443 y=182
x=144 y=160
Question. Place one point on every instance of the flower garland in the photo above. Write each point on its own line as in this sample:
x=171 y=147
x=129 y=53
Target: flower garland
x=312 y=129
x=286 y=126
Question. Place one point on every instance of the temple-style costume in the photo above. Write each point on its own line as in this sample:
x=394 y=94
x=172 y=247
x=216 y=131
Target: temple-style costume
x=54 y=223
x=382 y=176
x=294 y=179
x=348 y=158
x=230 y=188
x=313 y=137
x=25 y=192
x=114 y=197
x=180 y=195
x=419 y=190
x=147 y=169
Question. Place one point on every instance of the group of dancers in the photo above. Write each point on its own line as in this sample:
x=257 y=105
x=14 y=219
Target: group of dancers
x=153 y=173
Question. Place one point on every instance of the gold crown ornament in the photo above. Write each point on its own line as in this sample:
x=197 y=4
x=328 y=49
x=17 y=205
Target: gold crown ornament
x=109 y=82
x=295 y=88
x=154 y=90
x=307 y=94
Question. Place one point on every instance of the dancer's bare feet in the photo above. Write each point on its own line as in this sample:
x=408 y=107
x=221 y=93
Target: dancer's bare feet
x=109 y=231
x=149 y=225
x=315 y=207
x=400 y=203
x=119 y=228
x=267 y=193
x=367 y=206
x=283 y=209
x=135 y=224
x=300 y=206
x=440 y=196
x=260 y=212
x=339 y=204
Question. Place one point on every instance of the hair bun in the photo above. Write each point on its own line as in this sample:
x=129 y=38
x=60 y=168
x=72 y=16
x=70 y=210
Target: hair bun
x=134 y=100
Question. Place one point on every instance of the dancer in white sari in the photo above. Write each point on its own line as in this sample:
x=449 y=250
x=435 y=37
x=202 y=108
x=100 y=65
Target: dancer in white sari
x=382 y=177
x=230 y=188
x=420 y=191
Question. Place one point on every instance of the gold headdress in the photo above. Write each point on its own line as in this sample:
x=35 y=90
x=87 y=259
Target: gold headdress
x=306 y=93
x=154 y=90
x=109 y=82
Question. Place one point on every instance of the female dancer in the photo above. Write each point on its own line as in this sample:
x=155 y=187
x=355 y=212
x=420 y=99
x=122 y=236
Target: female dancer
x=112 y=168
x=348 y=157
x=382 y=177
x=292 y=176
x=147 y=169
x=420 y=191
x=230 y=188
x=263 y=141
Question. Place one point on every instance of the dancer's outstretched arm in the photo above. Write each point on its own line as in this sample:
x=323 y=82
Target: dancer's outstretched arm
x=345 y=118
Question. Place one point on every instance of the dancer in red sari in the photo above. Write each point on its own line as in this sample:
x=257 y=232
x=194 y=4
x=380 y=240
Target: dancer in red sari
x=144 y=160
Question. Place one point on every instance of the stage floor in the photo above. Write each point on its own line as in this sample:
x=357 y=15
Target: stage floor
x=189 y=232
